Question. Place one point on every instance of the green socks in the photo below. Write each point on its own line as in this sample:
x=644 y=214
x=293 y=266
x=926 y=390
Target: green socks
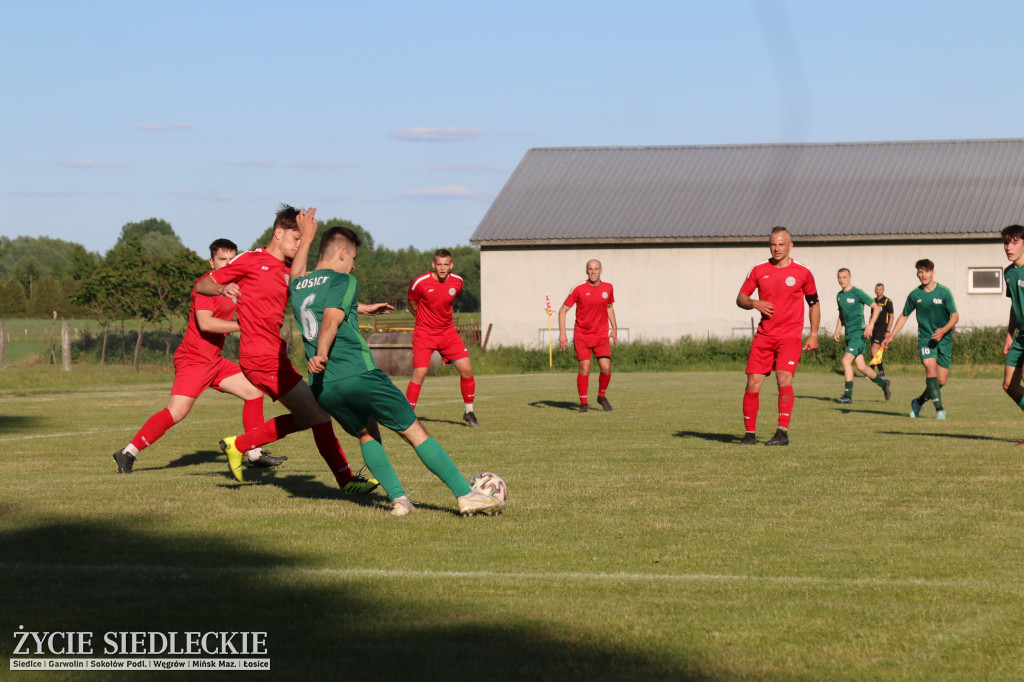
x=380 y=466
x=848 y=389
x=440 y=464
x=935 y=392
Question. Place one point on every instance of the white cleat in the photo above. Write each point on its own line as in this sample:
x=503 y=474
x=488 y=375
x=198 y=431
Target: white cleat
x=402 y=506
x=477 y=502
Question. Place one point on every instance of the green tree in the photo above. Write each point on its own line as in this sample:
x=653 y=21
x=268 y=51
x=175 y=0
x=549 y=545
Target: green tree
x=152 y=237
x=13 y=301
x=46 y=298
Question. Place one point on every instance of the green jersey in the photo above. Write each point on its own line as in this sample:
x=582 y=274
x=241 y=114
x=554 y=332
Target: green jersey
x=1014 y=278
x=934 y=308
x=851 y=310
x=311 y=295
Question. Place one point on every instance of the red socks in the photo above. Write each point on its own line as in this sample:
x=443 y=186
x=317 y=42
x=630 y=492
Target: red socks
x=786 y=400
x=274 y=429
x=751 y=402
x=412 y=393
x=602 y=384
x=252 y=413
x=330 y=449
x=468 y=387
x=154 y=427
x=583 y=384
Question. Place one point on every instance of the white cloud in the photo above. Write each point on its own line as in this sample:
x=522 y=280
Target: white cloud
x=445 y=192
x=321 y=165
x=42 y=193
x=164 y=127
x=89 y=163
x=463 y=168
x=435 y=134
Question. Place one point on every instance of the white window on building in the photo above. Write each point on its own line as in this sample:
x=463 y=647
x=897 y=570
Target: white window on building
x=984 y=281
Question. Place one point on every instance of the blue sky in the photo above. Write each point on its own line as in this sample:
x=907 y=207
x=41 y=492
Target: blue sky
x=408 y=117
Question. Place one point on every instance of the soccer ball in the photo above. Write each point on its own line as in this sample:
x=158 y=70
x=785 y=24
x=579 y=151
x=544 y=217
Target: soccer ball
x=492 y=484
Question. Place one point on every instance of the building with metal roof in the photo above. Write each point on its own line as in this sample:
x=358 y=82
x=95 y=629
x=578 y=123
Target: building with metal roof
x=677 y=228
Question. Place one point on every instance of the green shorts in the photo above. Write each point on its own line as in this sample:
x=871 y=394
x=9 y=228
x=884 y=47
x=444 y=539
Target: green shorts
x=1015 y=358
x=856 y=346
x=353 y=401
x=941 y=351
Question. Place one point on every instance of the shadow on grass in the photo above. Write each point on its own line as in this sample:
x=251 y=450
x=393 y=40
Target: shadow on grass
x=427 y=420
x=705 y=435
x=109 y=577
x=880 y=413
x=191 y=459
x=557 y=404
x=12 y=425
x=955 y=436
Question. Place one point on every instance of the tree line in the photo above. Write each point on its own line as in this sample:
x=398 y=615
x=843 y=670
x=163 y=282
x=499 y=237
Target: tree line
x=147 y=276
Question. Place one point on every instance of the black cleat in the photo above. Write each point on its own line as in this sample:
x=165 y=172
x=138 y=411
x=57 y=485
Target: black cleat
x=781 y=437
x=125 y=462
x=749 y=438
x=265 y=461
x=584 y=407
x=470 y=419
x=603 y=402
x=844 y=400
x=886 y=391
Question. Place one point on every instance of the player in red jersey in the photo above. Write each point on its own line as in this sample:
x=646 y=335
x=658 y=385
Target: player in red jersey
x=199 y=365
x=259 y=281
x=782 y=285
x=595 y=332
x=431 y=297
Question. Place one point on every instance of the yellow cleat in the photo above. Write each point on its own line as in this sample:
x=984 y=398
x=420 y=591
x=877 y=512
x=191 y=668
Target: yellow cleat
x=227 y=446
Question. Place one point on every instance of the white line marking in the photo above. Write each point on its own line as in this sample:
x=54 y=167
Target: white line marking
x=494 y=575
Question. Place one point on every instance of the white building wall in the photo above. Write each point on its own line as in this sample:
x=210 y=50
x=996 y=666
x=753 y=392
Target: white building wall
x=665 y=293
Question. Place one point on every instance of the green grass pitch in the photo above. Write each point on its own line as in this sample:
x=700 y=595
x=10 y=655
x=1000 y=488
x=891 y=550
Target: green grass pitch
x=639 y=544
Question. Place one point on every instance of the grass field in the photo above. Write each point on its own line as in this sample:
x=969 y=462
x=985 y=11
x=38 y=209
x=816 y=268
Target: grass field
x=640 y=544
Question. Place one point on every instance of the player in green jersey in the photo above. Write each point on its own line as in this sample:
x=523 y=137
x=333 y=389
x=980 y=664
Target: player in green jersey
x=936 y=318
x=851 y=302
x=345 y=380
x=1013 y=347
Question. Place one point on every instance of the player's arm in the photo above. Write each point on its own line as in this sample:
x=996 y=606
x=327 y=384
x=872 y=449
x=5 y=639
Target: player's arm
x=876 y=310
x=946 y=328
x=764 y=307
x=211 y=324
x=208 y=286
x=895 y=330
x=333 y=317
x=306 y=221
x=1011 y=328
x=375 y=308
x=889 y=315
x=614 y=334
x=839 y=324
x=814 y=313
x=563 y=338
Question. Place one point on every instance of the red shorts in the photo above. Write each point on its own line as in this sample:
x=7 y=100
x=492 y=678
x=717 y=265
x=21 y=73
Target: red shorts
x=275 y=382
x=448 y=343
x=192 y=377
x=600 y=345
x=769 y=353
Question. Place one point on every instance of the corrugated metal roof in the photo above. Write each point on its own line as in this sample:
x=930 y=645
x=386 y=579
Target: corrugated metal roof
x=883 y=190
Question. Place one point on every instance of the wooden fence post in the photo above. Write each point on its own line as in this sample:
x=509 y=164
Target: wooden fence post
x=3 y=345
x=65 y=345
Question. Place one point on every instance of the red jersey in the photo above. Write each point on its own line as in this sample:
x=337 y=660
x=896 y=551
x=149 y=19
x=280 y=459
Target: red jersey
x=434 y=301
x=263 y=280
x=591 y=307
x=785 y=289
x=200 y=346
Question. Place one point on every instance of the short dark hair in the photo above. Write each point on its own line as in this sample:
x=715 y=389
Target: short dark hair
x=442 y=253
x=1011 y=232
x=780 y=228
x=879 y=284
x=286 y=217
x=924 y=264
x=843 y=270
x=225 y=244
x=336 y=238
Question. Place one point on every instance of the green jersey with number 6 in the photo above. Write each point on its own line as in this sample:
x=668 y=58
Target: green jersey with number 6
x=311 y=295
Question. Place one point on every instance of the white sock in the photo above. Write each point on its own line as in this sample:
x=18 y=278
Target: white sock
x=254 y=454
x=469 y=407
x=131 y=450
